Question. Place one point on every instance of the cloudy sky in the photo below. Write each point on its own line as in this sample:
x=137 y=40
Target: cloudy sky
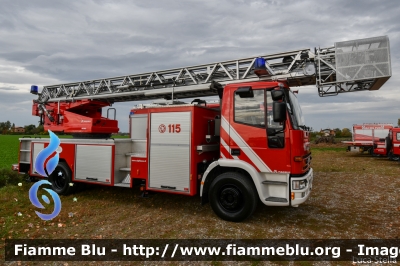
x=50 y=42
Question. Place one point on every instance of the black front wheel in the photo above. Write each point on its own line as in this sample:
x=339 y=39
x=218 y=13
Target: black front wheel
x=233 y=196
x=61 y=178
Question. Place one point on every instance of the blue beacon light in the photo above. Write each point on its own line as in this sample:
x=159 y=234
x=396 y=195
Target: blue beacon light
x=34 y=89
x=259 y=67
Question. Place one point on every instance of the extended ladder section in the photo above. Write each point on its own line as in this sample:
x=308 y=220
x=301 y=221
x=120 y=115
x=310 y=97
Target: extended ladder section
x=353 y=66
x=348 y=66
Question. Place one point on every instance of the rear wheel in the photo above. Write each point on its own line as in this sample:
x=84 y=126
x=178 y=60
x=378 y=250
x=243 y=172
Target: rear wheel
x=393 y=157
x=233 y=196
x=61 y=178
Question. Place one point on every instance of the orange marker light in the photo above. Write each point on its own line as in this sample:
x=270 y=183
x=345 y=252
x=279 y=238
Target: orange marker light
x=292 y=195
x=298 y=159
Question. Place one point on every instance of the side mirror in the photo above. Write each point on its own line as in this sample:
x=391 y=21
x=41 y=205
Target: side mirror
x=279 y=111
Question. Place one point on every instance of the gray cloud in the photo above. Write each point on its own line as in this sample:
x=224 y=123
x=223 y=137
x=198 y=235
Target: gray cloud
x=21 y=56
x=46 y=43
x=11 y=88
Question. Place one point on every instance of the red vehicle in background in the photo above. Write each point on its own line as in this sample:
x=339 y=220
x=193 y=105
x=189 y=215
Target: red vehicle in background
x=370 y=138
x=392 y=143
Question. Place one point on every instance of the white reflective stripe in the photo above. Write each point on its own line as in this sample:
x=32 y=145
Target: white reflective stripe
x=396 y=145
x=223 y=143
x=225 y=125
x=260 y=164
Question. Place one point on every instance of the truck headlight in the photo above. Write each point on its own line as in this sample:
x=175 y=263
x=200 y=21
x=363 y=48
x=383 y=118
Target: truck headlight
x=298 y=184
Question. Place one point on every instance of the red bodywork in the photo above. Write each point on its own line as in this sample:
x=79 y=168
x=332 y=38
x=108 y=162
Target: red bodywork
x=380 y=148
x=250 y=143
x=199 y=117
x=81 y=116
x=370 y=137
x=68 y=156
x=394 y=136
x=280 y=160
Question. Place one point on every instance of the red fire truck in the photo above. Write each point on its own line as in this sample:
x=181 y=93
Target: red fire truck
x=370 y=138
x=392 y=144
x=252 y=146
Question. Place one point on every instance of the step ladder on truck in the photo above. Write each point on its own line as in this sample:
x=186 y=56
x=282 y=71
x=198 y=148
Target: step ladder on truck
x=251 y=146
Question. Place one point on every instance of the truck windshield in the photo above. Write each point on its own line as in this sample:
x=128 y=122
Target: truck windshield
x=295 y=112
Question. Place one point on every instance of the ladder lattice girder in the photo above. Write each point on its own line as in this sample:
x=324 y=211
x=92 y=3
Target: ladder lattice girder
x=190 y=81
x=299 y=67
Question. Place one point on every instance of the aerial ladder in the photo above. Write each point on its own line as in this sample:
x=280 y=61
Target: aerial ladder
x=347 y=66
x=252 y=146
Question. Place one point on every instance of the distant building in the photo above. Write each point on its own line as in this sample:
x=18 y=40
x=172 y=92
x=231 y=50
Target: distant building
x=18 y=130
x=327 y=132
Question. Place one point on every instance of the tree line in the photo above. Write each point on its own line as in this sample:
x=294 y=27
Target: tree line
x=339 y=133
x=10 y=128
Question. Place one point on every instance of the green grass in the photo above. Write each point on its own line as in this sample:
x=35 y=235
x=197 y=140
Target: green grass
x=322 y=149
x=354 y=196
x=9 y=177
x=9 y=145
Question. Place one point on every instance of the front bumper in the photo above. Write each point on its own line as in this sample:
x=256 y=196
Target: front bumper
x=301 y=195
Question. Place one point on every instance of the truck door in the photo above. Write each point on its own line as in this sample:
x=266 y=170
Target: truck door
x=170 y=151
x=250 y=120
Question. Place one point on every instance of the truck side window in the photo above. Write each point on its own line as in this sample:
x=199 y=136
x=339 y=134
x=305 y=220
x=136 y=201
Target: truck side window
x=275 y=132
x=398 y=136
x=250 y=111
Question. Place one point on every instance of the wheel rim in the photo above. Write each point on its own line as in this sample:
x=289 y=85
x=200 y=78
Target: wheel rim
x=231 y=198
x=59 y=179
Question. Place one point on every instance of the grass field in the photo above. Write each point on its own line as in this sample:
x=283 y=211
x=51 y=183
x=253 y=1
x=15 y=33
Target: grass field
x=9 y=147
x=354 y=196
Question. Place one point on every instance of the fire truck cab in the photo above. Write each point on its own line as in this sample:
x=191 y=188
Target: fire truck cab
x=264 y=150
x=393 y=144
